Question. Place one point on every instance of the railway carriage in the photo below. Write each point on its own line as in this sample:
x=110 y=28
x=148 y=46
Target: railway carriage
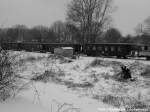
x=9 y=46
x=119 y=50
x=108 y=49
x=31 y=46
x=41 y=47
x=144 y=51
x=49 y=47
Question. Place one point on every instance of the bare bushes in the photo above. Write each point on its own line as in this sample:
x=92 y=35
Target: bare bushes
x=146 y=72
x=118 y=101
x=136 y=65
x=96 y=62
x=50 y=75
x=130 y=104
x=79 y=85
x=111 y=100
x=31 y=59
x=8 y=79
x=140 y=69
x=61 y=59
x=63 y=107
x=104 y=63
x=58 y=77
x=137 y=106
x=43 y=77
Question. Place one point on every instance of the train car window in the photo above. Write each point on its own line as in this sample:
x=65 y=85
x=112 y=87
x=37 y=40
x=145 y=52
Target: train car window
x=40 y=46
x=88 y=48
x=142 y=48
x=146 y=48
x=106 y=48
x=99 y=48
x=112 y=48
x=94 y=48
x=119 y=48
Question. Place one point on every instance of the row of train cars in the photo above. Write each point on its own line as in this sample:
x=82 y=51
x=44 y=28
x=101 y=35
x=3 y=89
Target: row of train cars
x=119 y=50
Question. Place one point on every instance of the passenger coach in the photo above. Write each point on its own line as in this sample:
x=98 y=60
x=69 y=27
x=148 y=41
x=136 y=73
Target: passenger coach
x=108 y=49
x=119 y=50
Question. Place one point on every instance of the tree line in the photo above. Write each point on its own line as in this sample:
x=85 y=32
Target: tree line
x=87 y=21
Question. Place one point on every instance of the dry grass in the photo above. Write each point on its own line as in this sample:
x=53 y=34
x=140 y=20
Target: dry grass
x=146 y=72
x=130 y=104
x=104 y=63
x=57 y=77
x=112 y=100
x=31 y=59
x=9 y=81
x=61 y=59
x=137 y=106
x=79 y=85
x=45 y=77
x=63 y=107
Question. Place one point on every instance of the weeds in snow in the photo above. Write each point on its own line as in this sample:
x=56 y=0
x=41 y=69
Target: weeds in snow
x=9 y=81
x=146 y=72
x=61 y=59
x=31 y=59
x=63 y=107
x=137 y=106
x=127 y=102
x=56 y=77
x=111 y=100
x=79 y=85
x=94 y=77
x=104 y=63
x=76 y=67
x=45 y=77
x=96 y=62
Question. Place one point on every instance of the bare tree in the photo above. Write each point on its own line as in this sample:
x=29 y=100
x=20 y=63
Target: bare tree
x=62 y=32
x=40 y=33
x=58 y=28
x=113 y=35
x=90 y=16
x=21 y=29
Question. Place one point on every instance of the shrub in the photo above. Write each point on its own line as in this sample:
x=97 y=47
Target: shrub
x=44 y=77
x=112 y=100
x=137 y=106
x=105 y=63
x=50 y=75
x=130 y=104
x=8 y=79
x=146 y=72
x=96 y=62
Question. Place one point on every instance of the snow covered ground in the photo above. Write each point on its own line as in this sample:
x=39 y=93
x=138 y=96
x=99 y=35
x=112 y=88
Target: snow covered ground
x=77 y=85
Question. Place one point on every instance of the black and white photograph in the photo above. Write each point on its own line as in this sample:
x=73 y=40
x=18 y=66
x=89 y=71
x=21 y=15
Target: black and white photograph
x=74 y=55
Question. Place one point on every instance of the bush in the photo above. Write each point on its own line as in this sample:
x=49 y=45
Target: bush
x=8 y=79
x=130 y=104
x=105 y=63
x=45 y=77
x=50 y=75
x=146 y=72
x=112 y=100
x=97 y=62
x=137 y=106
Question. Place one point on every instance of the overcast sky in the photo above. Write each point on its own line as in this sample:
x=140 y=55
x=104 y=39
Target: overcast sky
x=45 y=12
